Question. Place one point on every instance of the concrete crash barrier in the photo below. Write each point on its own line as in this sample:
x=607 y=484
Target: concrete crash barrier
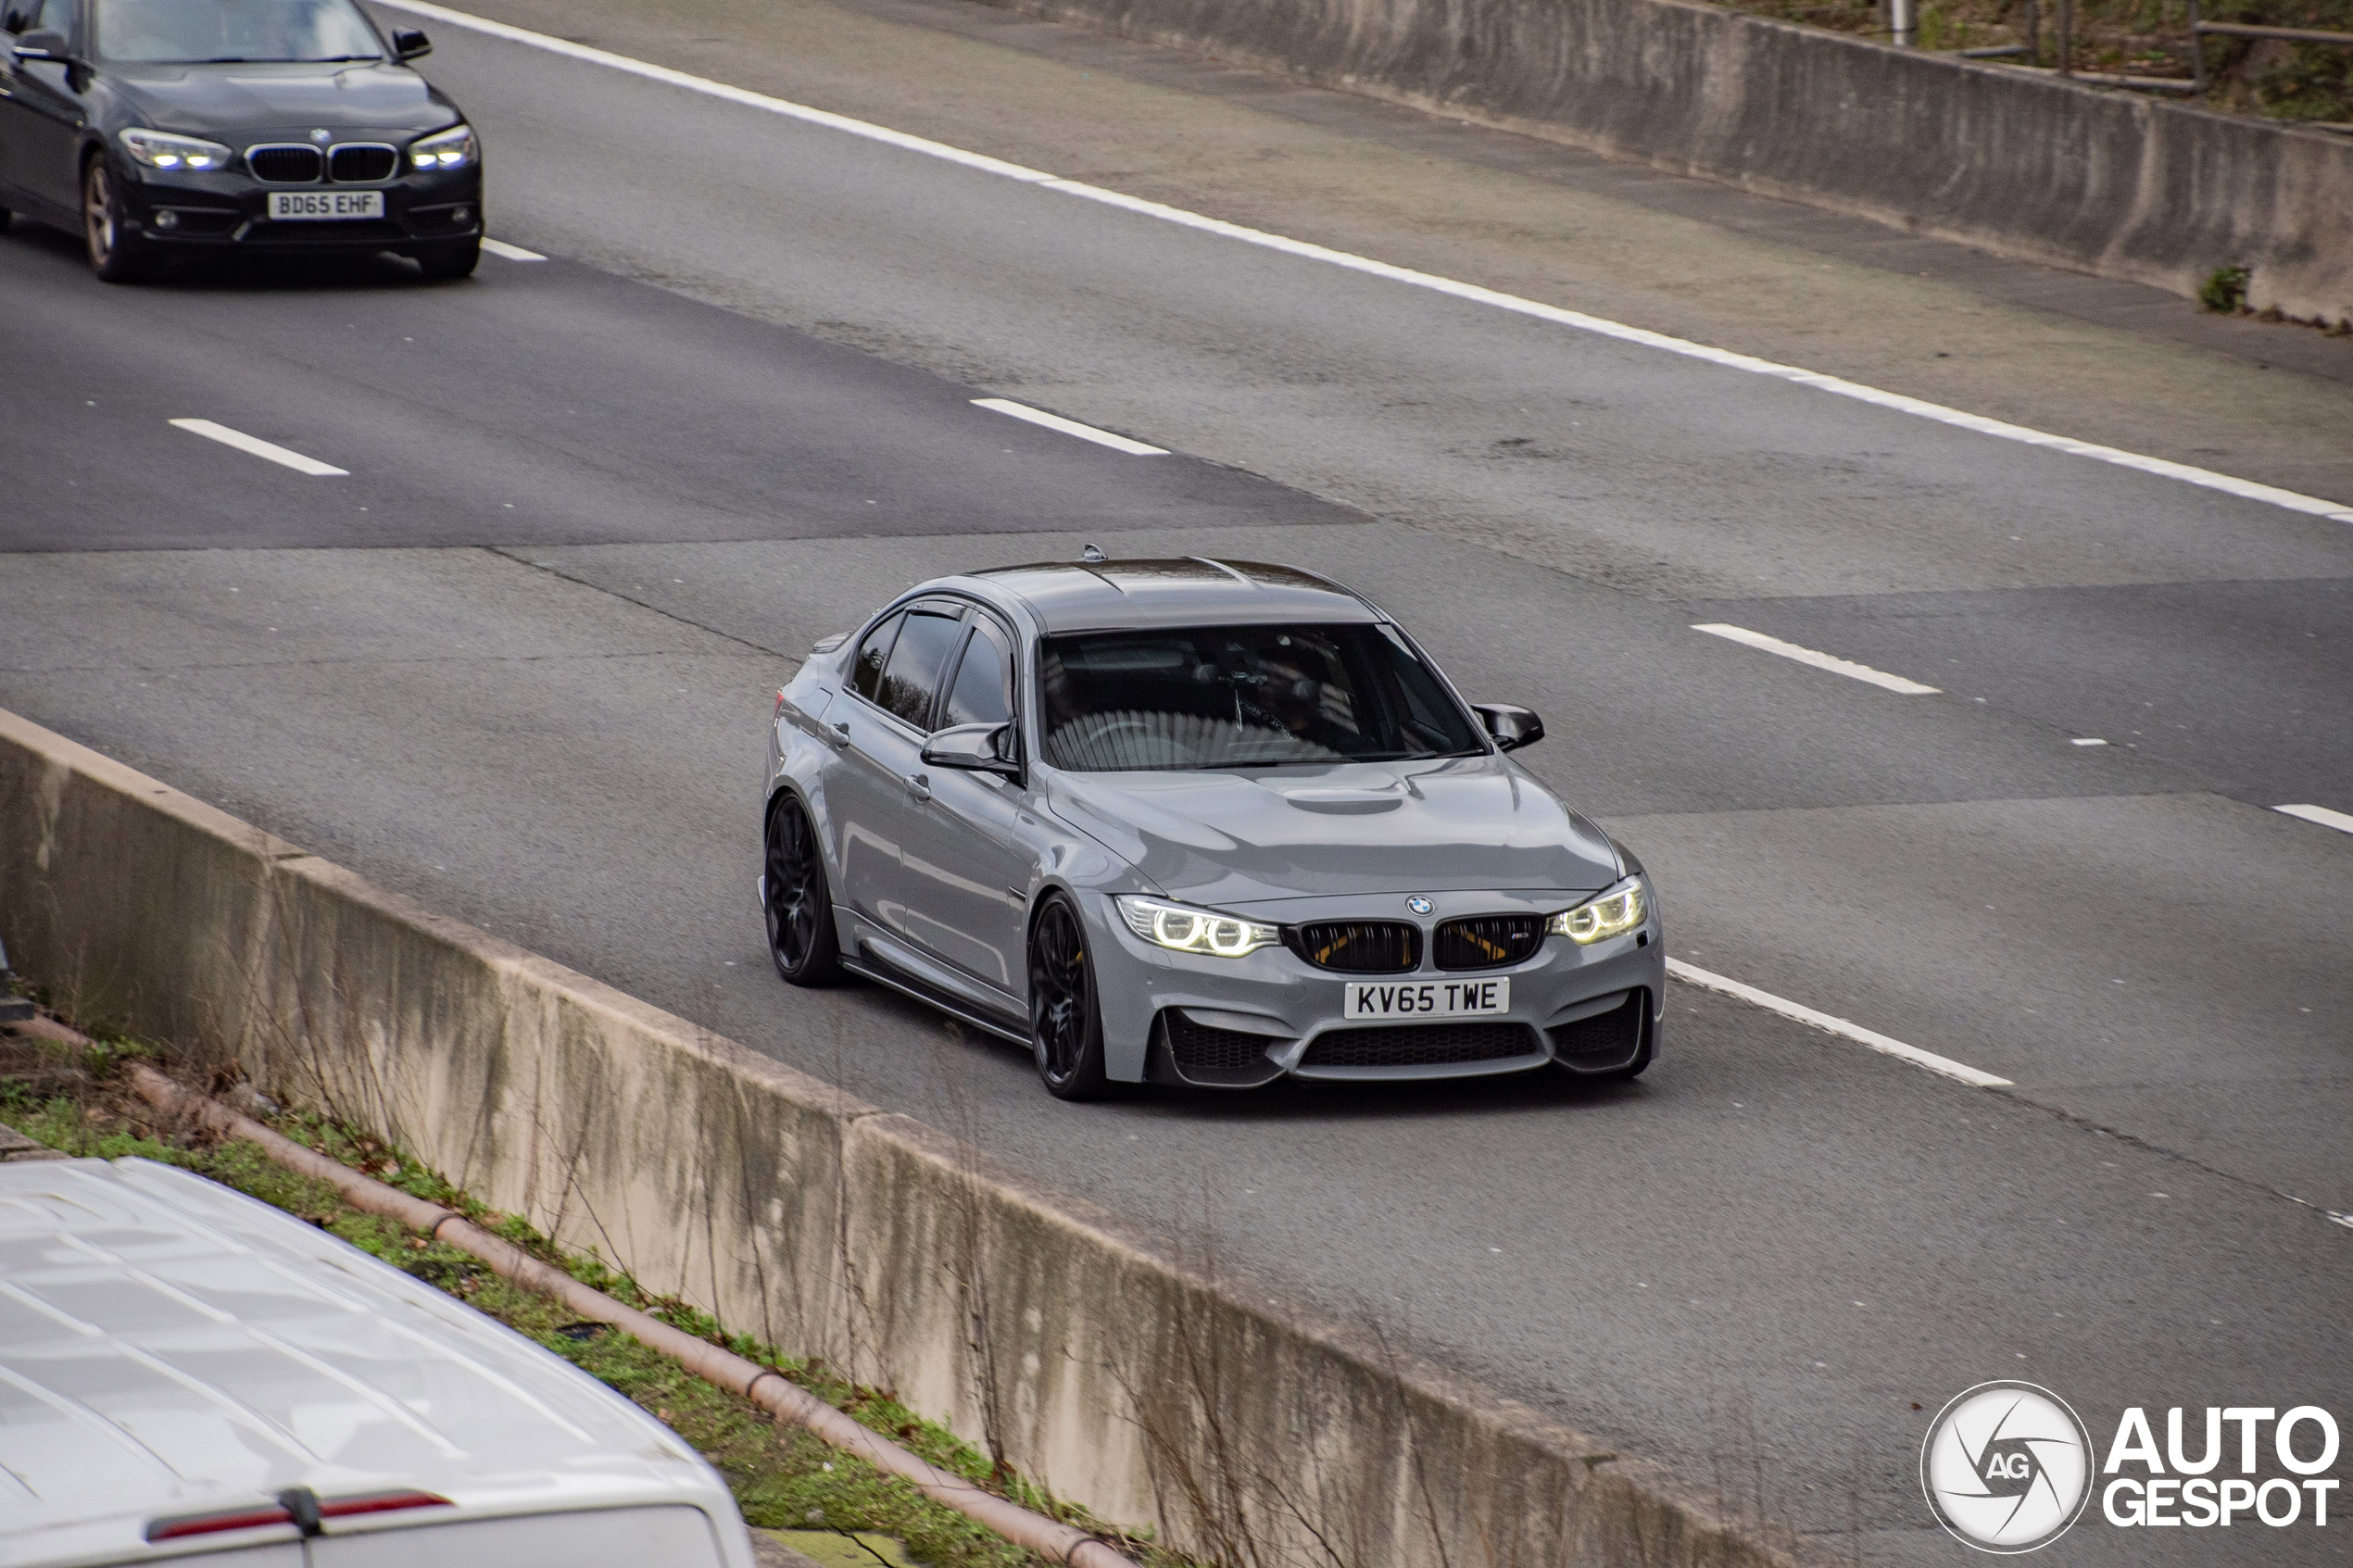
x=2029 y=166
x=1085 y=1352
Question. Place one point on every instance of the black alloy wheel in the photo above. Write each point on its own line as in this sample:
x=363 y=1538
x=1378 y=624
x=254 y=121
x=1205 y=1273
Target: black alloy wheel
x=115 y=256
x=1065 y=1026
x=802 y=938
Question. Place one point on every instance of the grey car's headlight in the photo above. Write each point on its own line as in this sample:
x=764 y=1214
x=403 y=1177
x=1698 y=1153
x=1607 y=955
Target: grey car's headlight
x=1184 y=929
x=1615 y=913
x=453 y=148
x=162 y=149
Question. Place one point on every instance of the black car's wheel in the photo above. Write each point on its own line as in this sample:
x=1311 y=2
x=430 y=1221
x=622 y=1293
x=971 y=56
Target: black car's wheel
x=802 y=938
x=1065 y=1026
x=454 y=260
x=114 y=255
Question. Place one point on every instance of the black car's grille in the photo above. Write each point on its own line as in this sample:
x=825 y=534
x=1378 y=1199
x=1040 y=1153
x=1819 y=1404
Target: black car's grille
x=360 y=163
x=1357 y=946
x=1419 y=1045
x=1610 y=1039
x=1489 y=941
x=1200 y=1048
x=293 y=165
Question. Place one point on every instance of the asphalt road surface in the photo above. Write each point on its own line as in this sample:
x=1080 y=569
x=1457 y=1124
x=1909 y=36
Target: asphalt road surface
x=516 y=659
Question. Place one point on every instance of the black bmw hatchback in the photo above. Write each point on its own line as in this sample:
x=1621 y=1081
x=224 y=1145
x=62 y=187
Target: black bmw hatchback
x=230 y=127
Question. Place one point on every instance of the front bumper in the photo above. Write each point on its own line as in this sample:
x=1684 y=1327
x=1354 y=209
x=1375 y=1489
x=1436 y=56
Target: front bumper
x=227 y=211
x=1242 y=1022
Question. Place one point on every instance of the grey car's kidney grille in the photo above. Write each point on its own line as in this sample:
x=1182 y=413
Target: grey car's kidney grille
x=1357 y=946
x=1595 y=1045
x=362 y=161
x=1419 y=1045
x=1489 y=941
x=293 y=163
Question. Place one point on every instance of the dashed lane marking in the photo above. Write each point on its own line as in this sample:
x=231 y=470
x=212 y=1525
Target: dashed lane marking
x=1838 y=1026
x=1831 y=662
x=512 y=253
x=258 y=447
x=2320 y=814
x=1069 y=427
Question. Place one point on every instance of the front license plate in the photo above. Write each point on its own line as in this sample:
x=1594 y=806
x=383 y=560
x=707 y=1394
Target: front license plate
x=290 y=205
x=1427 y=999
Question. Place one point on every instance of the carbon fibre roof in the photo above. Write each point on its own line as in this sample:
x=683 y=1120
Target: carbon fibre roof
x=1082 y=595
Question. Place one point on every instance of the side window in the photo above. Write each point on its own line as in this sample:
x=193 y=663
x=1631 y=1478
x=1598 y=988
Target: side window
x=866 y=674
x=983 y=692
x=917 y=660
x=57 y=16
x=16 y=15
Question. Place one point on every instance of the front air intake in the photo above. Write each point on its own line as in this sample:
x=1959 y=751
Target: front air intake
x=292 y=164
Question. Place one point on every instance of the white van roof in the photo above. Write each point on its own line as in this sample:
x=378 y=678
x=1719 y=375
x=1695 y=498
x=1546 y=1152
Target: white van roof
x=174 y=1354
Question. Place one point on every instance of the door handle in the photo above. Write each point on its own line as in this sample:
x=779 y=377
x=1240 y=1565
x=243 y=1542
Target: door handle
x=837 y=735
x=918 y=786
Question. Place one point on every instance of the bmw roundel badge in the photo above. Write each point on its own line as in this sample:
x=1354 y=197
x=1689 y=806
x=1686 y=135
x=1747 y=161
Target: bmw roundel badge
x=1418 y=904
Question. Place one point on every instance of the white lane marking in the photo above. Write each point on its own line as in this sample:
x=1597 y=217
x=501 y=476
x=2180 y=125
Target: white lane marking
x=2320 y=814
x=1831 y=662
x=512 y=253
x=2246 y=489
x=1069 y=427
x=1838 y=1026
x=2086 y=740
x=258 y=447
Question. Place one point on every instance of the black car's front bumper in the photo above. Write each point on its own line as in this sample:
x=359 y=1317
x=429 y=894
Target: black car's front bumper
x=228 y=211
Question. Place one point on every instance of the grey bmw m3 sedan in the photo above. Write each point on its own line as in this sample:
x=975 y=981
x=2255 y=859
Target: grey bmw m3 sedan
x=1196 y=823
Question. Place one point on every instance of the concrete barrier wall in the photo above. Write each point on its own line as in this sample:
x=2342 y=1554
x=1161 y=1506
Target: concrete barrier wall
x=1089 y=1355
x=2097 y=180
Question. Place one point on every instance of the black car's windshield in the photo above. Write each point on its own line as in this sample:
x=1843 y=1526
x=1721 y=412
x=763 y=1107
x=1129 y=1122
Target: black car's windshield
x=200 y=31
x=1243 y=697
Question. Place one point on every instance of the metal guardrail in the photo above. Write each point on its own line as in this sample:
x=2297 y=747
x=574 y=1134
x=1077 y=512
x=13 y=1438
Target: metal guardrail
x=2201 y=29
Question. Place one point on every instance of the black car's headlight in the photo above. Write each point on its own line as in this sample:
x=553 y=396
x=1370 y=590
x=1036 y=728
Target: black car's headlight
x=1184 y=929
x=453 y=148
x=1615 y=913
x=162 y=149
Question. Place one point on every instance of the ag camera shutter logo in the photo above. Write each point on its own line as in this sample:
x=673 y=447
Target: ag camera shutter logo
x=2007 y=1467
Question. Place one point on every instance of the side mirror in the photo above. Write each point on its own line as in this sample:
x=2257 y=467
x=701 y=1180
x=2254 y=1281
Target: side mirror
x=974 y=748
x=410 y=44
x=1510 y=727
x=43 y=44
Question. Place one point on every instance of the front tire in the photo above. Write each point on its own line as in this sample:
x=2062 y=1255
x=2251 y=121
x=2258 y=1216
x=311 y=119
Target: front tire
x=448 y=263
x=1065 y=1025
x=115 y=256
x=802 y=942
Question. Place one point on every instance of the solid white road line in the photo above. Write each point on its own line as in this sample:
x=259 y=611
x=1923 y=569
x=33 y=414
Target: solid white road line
x=258 y=446
x=2246 y=489
x=1838 y=1026
x=512 y=253
x=1070 y=427
x=2320 y=814
x=1836 y=666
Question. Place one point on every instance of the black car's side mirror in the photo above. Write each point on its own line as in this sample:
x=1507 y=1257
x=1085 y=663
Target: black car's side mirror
x=410 y=44
x=974 y=748
x=1510 y=727
x=43 y=44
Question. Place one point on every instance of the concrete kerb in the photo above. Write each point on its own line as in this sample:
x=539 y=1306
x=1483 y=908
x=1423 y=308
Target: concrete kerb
x=1082 y=1350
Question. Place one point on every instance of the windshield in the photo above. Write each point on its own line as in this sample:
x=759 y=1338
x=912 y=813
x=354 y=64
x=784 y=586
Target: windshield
x=202 y=31
x=1244 y=697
